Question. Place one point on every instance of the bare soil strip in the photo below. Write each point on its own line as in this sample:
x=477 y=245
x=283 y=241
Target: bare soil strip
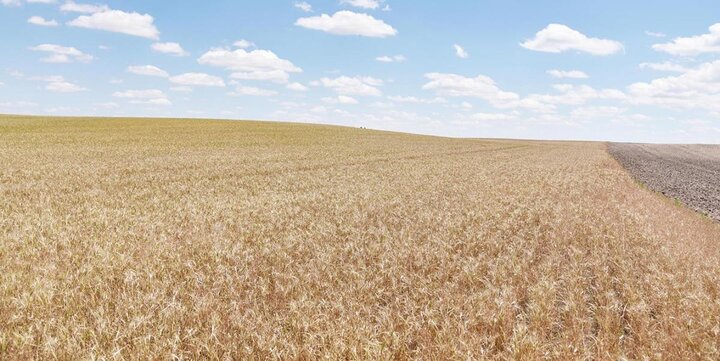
x=689 y=173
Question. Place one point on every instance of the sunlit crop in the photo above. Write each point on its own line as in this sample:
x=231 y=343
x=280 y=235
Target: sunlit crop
x=154 y=239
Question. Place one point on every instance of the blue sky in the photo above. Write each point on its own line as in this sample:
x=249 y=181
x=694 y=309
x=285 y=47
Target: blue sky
x=611 y=70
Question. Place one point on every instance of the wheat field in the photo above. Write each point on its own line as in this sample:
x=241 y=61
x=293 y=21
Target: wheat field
x=128 y=239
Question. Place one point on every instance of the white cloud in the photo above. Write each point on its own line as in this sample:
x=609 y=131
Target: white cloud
x=665 y=66
x=169 y=48
x=697 y=88
x=19 y=2
x=557 y=38
x=484 y=87
x=278 y=76
x=363 y=86
x=693 y=45
x=49 y=78
x=252 y=65
x=62 y=54
x=572 y=74
x=340 y=99
x=597 y=112
x=63 y=87
x=71 y=6
x=140 y=94
x=39 y=20
x=148 y=96
x=157 y=101
x=252 y=91
x=391 y=59
x=200 y=79
x=244 y=44
x=365 y=4
x=302 y=5
x=107 y=105
x=17 y=105
x=570 y=94
x=348 y=23
x=120 y=22
x=58 y=84
x=149 y=70
x=488 y=117
x=181 y=89
x=459 y=86
x=655 y=34
x=460 y=52
x=297 y=87
x=415 y=100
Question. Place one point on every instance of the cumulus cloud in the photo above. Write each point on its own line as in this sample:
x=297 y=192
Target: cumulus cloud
x=118 y=21
x=107 y=105
x=340 y=99
x=570 y=94
x=147 y=96
x=693 y=45
x=149 y=70
x=365 y=4
x=415 y=100
x=278 y=76
x=40 y=21
x=459 y=86
x=665 y=66
x=697 y=88
x=391 y=59
x=488 y=117
x=19 y=2
x=71 y=6
x=572 y=74
x=297 y=87
x=252 y=91
x=181 y=89
x=558 y=38
x=597 y=112
x=345 y=85
x=63 y=87
x=483 y=87
x=250 y=65
x=62 y=54
x=200 y=79
x=655 y=34
x=348 y=23
x=243 y=44
x=460 y=52
x=58 y=84
x=169 y=48
x=302 y=5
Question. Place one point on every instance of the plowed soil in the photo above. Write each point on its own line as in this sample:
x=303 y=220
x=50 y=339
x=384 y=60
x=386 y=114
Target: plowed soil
x=688 y=173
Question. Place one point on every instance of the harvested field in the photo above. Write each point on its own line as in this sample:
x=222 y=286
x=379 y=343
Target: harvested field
x=688 y=173
x=158 y=239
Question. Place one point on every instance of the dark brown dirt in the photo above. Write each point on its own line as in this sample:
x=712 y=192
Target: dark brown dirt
x=688 y=173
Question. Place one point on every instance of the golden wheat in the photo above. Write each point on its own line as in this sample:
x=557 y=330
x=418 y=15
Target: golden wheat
x=157 y=239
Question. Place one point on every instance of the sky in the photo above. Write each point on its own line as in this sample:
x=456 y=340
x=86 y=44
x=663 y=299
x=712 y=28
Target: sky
x=642 y=71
